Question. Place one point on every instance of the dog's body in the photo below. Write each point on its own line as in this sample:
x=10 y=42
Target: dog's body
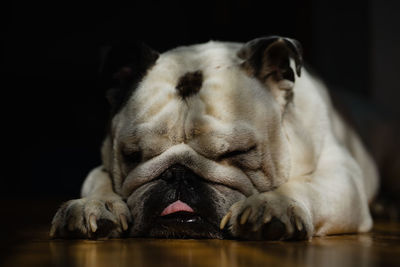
x=224 y=140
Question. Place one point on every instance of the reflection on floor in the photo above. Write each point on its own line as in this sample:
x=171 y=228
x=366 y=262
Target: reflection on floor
x=381 y=247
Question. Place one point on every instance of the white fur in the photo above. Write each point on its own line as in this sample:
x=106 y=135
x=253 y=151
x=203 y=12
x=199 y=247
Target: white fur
x=302 y=150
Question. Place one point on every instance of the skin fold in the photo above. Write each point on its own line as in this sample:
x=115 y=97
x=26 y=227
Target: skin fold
x=241 y=134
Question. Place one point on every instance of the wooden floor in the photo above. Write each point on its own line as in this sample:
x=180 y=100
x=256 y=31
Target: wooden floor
x=381 y=247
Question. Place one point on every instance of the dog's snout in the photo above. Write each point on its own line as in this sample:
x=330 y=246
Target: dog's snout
x=178 y=173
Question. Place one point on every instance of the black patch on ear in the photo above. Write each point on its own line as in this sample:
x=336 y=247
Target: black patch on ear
x=190 y=84
x=124 y=66
x=270 y=56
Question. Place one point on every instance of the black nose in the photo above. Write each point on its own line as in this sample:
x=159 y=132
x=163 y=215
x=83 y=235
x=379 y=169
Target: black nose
x=178 y=174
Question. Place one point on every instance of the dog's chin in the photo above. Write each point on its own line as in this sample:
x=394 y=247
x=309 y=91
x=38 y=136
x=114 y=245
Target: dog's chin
x=183 y=225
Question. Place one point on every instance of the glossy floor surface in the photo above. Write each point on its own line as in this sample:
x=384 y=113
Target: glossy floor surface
x=381 y=247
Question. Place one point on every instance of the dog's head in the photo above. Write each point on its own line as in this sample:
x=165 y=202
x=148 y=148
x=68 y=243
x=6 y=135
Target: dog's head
x=196 y=129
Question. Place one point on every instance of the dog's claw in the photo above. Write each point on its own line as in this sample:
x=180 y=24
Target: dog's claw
x=52 y=231
x=299 y=225
x=124 y=222
x=92 y=222
x=267 y=218
x=245 y=215
x=225 y=220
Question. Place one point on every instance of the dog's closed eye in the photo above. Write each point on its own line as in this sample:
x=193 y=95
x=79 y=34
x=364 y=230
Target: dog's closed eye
x=235 y=153
x=132 y=157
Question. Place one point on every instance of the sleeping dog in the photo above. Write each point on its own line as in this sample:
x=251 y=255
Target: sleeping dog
x=222 y=140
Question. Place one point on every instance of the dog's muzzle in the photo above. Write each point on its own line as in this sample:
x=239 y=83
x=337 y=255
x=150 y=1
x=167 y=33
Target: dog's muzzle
x=181 y=205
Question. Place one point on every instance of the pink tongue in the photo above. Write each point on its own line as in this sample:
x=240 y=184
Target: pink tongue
x=175 y=207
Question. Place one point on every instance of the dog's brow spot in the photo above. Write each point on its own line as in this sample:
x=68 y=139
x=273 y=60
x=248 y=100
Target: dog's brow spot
x=190 y=83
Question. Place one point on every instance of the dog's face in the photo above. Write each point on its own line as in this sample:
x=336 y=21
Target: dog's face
x=197 y=129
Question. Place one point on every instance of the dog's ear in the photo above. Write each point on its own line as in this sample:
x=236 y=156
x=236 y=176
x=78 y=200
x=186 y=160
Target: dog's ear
x=123 y=65
x=269 y=60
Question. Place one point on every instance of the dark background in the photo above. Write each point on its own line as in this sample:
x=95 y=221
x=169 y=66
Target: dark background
x=52 y=50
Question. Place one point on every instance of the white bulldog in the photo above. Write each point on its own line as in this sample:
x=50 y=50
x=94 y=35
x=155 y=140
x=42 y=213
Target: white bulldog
x=222 y=140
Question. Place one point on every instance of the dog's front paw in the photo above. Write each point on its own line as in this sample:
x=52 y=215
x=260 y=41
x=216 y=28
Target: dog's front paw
x=269 y=216
x=91 y=218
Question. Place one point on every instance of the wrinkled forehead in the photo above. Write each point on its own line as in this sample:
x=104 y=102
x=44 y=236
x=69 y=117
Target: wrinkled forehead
x=211 y=70
x=199 y=88
x=186 y=68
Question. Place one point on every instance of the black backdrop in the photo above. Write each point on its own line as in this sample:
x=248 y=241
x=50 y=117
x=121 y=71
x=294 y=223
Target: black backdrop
x=51 y=54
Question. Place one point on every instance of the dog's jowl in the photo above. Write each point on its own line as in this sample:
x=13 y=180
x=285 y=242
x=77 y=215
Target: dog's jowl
x=222 y=140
